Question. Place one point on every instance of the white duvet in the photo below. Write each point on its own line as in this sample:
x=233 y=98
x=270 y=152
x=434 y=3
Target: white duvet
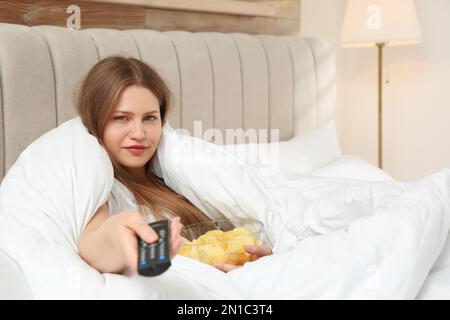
x=332 y=238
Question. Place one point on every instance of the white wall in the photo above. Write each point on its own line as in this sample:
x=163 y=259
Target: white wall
x=416 y=98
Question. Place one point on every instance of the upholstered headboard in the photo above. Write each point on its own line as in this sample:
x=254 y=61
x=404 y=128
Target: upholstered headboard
x=227 y=81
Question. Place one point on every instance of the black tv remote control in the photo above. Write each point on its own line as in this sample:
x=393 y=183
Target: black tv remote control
x=154 y=258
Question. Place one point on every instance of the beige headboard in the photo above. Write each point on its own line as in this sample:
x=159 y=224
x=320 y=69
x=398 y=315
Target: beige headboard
x=227 y=81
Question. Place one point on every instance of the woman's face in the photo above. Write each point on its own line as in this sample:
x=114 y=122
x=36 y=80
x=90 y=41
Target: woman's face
x=136 y=122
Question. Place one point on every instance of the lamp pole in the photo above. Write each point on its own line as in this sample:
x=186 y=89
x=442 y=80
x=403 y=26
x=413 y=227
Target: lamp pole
x=380 y=104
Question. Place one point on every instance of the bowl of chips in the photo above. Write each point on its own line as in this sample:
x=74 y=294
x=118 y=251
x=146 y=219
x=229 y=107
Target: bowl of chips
x=221 y=241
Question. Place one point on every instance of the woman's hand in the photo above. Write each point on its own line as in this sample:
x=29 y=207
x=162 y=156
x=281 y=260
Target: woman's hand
x=123 y=229
x=255 y=251
x=176 y=239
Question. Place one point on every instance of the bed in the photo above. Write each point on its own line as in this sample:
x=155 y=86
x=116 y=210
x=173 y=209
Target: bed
x=227 y=81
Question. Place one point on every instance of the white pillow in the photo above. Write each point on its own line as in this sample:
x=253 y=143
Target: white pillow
x=352 y=167
x=14 y=285
x=46 y=199
x=218 y=183
x=301 y=154
x=221 y=184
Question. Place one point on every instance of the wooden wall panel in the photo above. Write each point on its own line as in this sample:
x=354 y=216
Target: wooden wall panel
x=257 y=8
x=197 y=21
x=93 y=14
x=277 y=17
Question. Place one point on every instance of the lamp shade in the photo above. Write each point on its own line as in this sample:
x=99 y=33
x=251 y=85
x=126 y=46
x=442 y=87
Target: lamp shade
x=392 y=22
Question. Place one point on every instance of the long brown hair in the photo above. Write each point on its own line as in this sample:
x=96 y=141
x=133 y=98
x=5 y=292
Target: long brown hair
x=95 y=103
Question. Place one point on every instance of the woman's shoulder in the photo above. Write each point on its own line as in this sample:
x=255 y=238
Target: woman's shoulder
x=120 y=188
x=120 y=198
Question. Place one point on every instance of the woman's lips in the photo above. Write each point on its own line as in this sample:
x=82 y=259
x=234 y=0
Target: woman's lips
x=136 y=150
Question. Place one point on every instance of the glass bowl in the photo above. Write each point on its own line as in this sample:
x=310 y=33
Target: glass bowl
x=221 y=241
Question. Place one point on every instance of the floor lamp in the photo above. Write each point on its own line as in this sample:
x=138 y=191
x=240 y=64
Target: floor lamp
x=380 y=23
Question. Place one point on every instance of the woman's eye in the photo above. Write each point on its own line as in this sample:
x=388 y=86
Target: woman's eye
x=151 y=118
x=120 y=118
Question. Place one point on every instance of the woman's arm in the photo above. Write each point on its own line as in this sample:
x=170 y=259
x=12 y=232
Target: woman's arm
x=110 y=243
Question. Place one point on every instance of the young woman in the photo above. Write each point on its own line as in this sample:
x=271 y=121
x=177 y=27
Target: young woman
x=123 y=102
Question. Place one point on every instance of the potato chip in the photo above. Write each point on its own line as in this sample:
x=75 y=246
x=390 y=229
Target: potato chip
x=240 y=230
x=217 y=246
x=185 y=249
x=211 y=253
